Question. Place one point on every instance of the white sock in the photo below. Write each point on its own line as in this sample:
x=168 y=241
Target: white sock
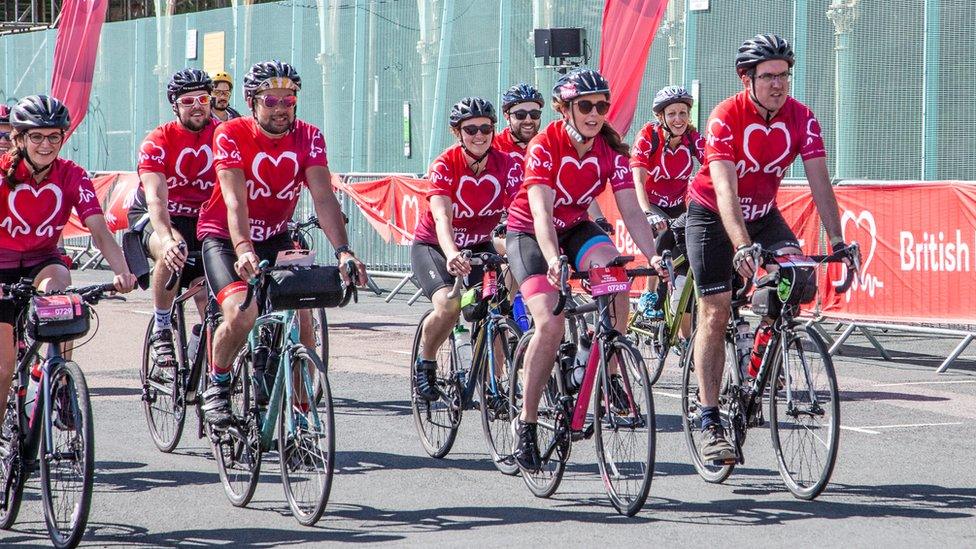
x=164 y=320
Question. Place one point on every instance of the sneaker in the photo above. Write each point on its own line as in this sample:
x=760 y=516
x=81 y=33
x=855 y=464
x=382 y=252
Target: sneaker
x=714 y=446
x=499 y=407
x=527 y=451
x=162 y=346
x=619 y=402
x=647 y=305
x=426 y=380
x=216 y=406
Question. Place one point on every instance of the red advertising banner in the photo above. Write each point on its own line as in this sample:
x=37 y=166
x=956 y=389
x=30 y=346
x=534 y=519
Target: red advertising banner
x=74 y=55
x=115 y=192
x=392 y=205
x=628 y=31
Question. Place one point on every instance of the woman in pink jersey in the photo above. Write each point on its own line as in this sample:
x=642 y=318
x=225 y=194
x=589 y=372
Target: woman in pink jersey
x=470 y=184
x=567 y=165
x=38 y=191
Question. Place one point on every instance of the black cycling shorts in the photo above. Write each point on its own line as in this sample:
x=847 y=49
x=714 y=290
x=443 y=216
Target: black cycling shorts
x=429 y=266
x=219 y=258
x=8 y=312
x=710 y=250
x=526 y=260
x=186 y=226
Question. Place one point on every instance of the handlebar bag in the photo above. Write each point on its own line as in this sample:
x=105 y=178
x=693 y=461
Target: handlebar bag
x=305 y=288
x=58 y=318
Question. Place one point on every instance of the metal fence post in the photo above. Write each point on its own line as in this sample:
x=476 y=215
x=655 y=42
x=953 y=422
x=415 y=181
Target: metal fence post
x=843 y=14
x=930 y=103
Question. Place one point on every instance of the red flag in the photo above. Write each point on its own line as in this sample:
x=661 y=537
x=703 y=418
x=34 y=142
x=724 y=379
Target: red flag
x=74 y=55
x=628 y=31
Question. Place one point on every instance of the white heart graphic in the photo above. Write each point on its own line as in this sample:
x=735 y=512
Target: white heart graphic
x=315 y=148
x=872 y=228
x=585 y=198
x=458 y=194
x=661 y=171
x=813 y=132
x=539 y=157
x=44 y=229
x=286 y=192
x=152 y=151
x=227 y=148
x=771 y=167
x=205 y=150
x=412 y=205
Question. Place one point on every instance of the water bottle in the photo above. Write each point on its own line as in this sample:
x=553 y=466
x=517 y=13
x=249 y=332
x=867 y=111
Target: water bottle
x=679 y=284
x=32 y=385
x=762 y=340
x=519 y=312
x=259 y=361
x=567 y=362
x=743 y=345
x=193 y=343
x=582 y=357
x=462 y=342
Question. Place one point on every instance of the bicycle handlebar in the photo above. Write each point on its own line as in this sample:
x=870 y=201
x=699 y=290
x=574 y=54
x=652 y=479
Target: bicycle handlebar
x=25 y=290
x=174 y=276
x=565 y=277
x=765 y=258
x=349 y=294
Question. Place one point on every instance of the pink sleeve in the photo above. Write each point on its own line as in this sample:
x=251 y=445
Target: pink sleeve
x=513 y=180
x=538 y=164
x=699 y=142
x=227 y=154
x=317 y=151
x=719 y=137
x=640 y=153
x=620 y=178
x=152 y=153
x=813 y=145
x=441 y=181
x=87 y=204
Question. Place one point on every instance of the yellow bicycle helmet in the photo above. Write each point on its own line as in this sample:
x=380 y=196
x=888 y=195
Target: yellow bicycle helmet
x=223 y=77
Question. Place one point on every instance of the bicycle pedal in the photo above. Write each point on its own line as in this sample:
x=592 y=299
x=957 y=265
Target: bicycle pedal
x=723 y=462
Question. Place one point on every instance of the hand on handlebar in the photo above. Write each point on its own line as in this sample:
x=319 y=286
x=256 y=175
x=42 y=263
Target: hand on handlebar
x=458 y=264
x=746 y=260
x=125 y=282
x=174 y=254
x=246 y=265
x=352 y=270
x=658 y=222
x=657 y=262
x=554 y=272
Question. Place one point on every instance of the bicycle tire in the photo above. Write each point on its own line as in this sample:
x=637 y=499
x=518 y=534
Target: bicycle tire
x=496 y=412
x=626 y=478
x=690 y=407
x=18 y=469
x=238 y=451
x=315 y=448
x=71 y=414
x=437 y=422
x=165 y=414
x=544 y=482
x=320 y=323
x=797 y=483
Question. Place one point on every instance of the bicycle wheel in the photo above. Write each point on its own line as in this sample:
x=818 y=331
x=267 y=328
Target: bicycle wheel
x=238 y=448
x=162 y=397
x=625 y=442
x=496 y=414
x=13 y=473
x=691 y=408
x=320 y=324
x=804 y=413
x=552 y=432
x=437 y=422
x=68 y=468
x=306 y=443
x=652 y=342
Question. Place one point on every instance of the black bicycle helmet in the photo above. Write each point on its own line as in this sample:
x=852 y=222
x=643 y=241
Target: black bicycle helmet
x=186 y=81
x=762 y=47
x=271 y=74
x=580 y=82
x=669 y=96
x=39 y=111
x=521 y=93
x=471 y=107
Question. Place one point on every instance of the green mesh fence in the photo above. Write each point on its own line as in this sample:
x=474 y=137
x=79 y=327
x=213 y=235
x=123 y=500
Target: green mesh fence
x=902 y=109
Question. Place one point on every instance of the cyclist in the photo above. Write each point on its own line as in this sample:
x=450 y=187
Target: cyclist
x=262 y=163
x=567 y=166
x=469 y=190
x=522 y=107
x=38 y=191
x=176 y=177
x=752 y=139
x=662 y=161
x=5 y=129
x=223 y=85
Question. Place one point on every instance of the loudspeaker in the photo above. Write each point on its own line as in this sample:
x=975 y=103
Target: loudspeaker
x=558 y=43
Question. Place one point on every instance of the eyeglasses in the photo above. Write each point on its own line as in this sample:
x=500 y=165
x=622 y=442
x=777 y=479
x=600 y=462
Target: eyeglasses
x=38 y=138
x=190 y=100
x=270 y=101
x=472 y=130
x=520 y=115
x=586 y=106
x=769 y=78
x=221 y=93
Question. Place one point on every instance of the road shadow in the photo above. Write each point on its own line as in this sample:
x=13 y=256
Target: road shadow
x=96 y=392
x=372 y=408
x=851 y=396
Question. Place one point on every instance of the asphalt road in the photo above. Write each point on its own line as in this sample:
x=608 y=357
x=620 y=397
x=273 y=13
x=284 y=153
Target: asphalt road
x=904 y=478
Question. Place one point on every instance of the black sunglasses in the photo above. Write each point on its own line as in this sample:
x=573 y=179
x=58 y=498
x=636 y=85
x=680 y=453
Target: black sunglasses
x=520 y=115
x=586 y=106
x=486 y=129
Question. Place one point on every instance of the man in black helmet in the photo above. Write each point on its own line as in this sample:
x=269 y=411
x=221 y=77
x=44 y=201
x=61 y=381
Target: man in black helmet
x=752 y=139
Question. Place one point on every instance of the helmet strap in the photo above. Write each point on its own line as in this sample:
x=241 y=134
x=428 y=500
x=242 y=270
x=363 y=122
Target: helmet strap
x=35 y=169
x=752 y=95
x=477 y=158
x=571 y=130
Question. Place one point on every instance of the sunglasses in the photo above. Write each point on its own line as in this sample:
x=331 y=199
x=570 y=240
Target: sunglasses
x=586 y=106
x=190 y=100
x=271 y=101
x=486 y=129
x=38 y=138
x=4 y=135
x=520 y=115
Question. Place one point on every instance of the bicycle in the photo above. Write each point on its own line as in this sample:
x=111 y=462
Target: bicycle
x=493 y=331
x=166 y=392
x=564 y=407
x=54 y=432
x=804 y=404
x=300 y=233
x=275 y=356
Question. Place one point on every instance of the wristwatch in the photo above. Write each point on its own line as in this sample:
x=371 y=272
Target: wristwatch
x=344 y=249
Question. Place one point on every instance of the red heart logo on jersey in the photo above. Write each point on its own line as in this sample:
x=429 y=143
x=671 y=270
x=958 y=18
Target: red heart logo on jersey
x=482 y=186
x=192 y=164
x=277 y=172
x=570 y=173
x=765 y=148
x=33 y=209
